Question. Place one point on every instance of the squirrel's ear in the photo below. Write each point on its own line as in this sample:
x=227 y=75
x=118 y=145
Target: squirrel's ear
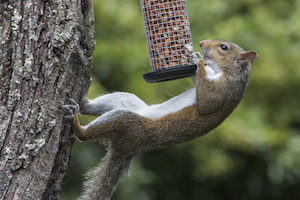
x=248 y=56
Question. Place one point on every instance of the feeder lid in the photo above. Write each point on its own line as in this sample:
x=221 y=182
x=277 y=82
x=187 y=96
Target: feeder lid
x=170 y=74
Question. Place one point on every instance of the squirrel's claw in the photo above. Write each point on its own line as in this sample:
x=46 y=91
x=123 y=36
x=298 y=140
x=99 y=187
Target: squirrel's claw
x=70 y=117
x=72 y=109
x=193 y=57
x=196 y=57
x=75 y=105
x=68 y=108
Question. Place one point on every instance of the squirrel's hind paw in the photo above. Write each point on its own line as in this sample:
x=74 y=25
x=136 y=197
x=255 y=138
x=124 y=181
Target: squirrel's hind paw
x=75 y=105
x=72 y=109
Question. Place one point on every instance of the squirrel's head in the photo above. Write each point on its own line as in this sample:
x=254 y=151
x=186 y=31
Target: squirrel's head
x=227 y=57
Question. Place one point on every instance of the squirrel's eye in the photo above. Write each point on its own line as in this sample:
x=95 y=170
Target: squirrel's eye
x=224 y=47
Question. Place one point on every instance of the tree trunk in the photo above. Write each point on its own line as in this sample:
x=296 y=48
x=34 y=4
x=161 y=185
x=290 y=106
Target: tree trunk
x=45 y=57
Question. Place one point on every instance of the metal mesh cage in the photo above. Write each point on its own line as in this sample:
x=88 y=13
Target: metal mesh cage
x=168 y=33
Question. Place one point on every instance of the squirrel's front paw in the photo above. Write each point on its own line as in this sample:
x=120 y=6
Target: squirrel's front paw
x=200 y=67
x=72 y=109
x=196 y=57
x=193 y=57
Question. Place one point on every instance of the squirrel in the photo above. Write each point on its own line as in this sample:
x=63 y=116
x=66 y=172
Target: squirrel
x=130 y=126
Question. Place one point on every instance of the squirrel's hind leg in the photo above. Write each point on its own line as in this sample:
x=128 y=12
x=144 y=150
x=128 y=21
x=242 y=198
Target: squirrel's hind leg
x=107 y=126
x=73 y=110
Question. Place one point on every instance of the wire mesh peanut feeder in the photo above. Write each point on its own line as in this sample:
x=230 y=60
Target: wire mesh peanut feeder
x=168 y=34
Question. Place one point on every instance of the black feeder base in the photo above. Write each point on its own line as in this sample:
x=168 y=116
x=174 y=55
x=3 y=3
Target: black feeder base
x=170 y=74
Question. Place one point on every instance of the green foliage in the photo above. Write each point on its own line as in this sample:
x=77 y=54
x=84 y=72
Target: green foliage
x=255 y=153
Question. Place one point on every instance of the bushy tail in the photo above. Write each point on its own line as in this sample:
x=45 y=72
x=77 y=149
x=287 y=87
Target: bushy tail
x=103 y=180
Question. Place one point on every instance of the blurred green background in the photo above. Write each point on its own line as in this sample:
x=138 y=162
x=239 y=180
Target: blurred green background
x=255 y=153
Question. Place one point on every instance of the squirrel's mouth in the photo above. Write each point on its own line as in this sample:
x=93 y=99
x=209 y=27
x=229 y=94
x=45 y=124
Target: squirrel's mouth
x=206 y=57
x=205 y=53
x=213 y=71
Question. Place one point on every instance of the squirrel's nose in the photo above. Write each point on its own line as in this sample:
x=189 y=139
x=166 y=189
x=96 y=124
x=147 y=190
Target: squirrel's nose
x=201 y=43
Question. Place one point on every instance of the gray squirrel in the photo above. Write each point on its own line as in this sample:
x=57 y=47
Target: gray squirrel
x=130 y=126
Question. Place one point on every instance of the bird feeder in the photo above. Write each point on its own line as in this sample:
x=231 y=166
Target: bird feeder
x=168 y=34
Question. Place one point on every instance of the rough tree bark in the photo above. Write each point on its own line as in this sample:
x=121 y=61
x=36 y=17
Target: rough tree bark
x=45 y=57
